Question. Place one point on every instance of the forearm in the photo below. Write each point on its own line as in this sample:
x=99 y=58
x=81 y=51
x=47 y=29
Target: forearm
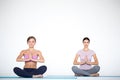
x=38 y=60
x=78 y=63
x=20 y=60
x=42 y=61
x=92 y=63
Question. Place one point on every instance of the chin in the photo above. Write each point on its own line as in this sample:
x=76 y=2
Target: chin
x=31 y=47
x=86 y=46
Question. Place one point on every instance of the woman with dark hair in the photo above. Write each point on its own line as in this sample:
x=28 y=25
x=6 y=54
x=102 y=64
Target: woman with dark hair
x=30 y=56
x=85 y=62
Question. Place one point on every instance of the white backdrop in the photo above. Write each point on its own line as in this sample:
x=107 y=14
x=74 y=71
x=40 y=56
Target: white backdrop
x=60 y=26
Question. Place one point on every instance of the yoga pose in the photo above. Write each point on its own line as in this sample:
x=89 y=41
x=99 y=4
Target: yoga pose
x=30 y=56
x=85 y=55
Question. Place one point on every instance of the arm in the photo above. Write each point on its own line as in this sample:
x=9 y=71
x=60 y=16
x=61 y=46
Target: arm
x=40 y=59
x=20 y=59
x=76 y=61
x=95 y=60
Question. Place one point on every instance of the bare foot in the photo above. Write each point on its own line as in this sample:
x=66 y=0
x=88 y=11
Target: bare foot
x=38 y=76
x=94 y=75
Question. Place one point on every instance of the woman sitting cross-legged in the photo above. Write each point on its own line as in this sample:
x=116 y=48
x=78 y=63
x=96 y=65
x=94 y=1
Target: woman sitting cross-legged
x=31 y=57
x=85 y=55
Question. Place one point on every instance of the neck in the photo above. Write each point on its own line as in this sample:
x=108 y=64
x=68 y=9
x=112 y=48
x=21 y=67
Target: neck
x=31 y=49
x=85 y=49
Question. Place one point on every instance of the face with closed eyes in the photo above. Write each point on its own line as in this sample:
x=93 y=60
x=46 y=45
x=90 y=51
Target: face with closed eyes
x=31 y=43
x=86 y=43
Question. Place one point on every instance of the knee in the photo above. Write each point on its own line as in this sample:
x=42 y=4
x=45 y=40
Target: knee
x=74 y=68
x=44 y=67
x=15 y=69
x=97 y=68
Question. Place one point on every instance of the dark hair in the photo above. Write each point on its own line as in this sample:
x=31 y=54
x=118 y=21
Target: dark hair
x=86 y=38
x=31 y=37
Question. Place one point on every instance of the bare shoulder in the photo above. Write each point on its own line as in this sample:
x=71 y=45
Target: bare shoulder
x=38 y=52
x=23 y=51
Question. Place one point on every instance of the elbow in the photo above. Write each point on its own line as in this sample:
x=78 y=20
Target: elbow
x=42 y=61
x=74 y=63
x=17 y=60
x=96 y=63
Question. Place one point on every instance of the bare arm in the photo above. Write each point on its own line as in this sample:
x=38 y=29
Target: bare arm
x=40 y=59
x=20 y=59
x=75 y=62
x=95 y=60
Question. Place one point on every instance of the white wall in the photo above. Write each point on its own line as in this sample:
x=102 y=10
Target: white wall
x=60 y=26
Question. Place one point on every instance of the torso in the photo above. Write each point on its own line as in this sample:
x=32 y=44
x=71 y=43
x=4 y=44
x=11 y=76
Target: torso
x=30 y=64
x=82 y=55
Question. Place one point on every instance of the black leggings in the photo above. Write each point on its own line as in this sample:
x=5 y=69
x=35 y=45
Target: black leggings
x=29 y=72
